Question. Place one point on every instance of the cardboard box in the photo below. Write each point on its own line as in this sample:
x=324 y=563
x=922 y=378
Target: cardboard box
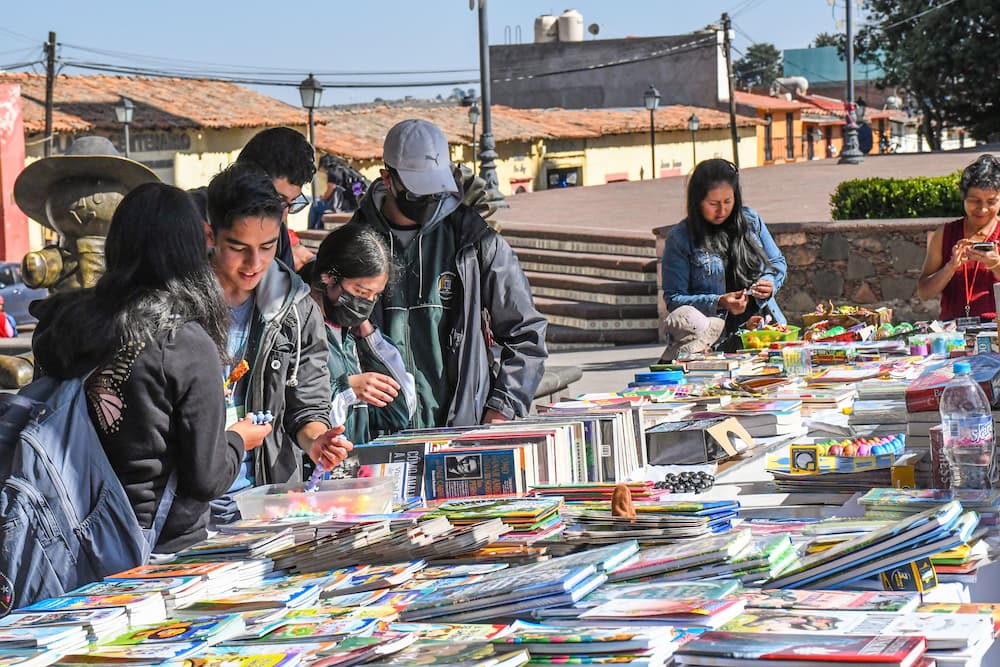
x=697 y=441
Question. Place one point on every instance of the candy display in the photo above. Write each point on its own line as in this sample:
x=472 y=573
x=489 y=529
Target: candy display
x=862 y=446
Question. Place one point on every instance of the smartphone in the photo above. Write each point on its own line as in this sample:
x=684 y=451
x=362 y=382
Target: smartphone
x=984 y=247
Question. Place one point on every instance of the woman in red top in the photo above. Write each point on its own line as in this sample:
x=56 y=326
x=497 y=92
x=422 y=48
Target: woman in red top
x=962 y=262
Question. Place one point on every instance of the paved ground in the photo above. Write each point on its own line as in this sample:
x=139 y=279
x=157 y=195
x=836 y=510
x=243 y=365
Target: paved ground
x=607 y=368
x=796 y=192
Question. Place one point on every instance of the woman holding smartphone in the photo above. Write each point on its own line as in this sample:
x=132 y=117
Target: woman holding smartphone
x=962 y=262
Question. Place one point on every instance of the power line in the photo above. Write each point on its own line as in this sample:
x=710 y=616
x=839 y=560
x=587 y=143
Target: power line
x=919 y=14
x=185 y=65
x=18 y=35
x=20 y=65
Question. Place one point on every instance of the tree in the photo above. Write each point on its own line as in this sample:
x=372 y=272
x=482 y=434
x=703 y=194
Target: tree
x=945 y=58
x=827 y=39
x=759 y=67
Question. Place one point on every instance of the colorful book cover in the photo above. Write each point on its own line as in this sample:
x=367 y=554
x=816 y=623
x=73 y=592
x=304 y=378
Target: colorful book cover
x=82 y=617
x=424 y=652
x=924 y=393
x=453 y=632
x=270 y=659
x=988 y=608
x=165 y=570
x=888 y=649
x=211 y=629
x=256 y=598
x=819 y=600
x=306 y=630
x=143 y=654
x=574 y=640
x=165 y=586
x=480 y=509
x=701 y=612
x=659 y=559
x=476 y=472
x=74 y=602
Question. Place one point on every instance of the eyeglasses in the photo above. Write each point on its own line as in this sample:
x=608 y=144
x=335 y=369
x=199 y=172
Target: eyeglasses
x=297 y=204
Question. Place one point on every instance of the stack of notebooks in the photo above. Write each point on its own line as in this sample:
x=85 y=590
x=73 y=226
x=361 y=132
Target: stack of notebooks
x=654 y=523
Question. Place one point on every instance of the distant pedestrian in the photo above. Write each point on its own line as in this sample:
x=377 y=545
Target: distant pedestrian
x=459 y=289
x=336 y=198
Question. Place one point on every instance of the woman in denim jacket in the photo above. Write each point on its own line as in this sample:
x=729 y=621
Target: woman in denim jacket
x=721 y=259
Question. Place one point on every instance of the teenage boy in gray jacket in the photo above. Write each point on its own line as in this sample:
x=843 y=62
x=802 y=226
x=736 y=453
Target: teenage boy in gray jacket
x=458 y=291
x=276 y=329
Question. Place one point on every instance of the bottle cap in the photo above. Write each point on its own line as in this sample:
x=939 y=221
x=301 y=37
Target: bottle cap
x=962 y=367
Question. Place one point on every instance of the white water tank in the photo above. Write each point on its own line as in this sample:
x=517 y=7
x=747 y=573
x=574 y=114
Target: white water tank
x=546 y=29
x=571 y=26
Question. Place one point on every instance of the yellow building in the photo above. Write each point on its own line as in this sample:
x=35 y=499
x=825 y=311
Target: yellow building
x=549 y=148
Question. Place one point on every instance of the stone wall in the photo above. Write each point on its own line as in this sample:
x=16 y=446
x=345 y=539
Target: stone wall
x=864 y=262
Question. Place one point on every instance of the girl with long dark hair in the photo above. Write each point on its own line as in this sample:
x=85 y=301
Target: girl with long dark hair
x=372 y=392
x=151 y=338
x=721 y=260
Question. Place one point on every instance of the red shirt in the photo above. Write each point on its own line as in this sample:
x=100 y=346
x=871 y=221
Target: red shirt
x=972 y=283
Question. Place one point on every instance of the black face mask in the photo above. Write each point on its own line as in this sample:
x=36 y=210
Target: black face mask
x=348 y=310
x=421 y=209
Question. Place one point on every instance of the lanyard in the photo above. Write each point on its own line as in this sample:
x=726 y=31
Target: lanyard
x=969 y=288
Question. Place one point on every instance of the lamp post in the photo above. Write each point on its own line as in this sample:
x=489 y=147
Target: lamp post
x=852 y=152
x=651 y=98
x=474 y=120
x=487 y=146
x=123 y=112
x=693 y=124
x=311 y=91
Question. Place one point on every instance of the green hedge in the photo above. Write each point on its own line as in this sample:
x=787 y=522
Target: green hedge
x=919 y=197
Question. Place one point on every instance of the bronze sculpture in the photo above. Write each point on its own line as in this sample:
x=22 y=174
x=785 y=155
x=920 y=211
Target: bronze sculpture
x=75 y=194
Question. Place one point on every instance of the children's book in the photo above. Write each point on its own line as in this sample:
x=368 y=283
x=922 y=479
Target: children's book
x=686 y=613
x=216 y=659
x=165 y=570
x=424 y=652
x=99 y=623
x=358 y=650
x=143 y=654
x=140 y=607
x=306 y=630
x=942 y=631
x=255 y=598
x=735 y=649
x=660 y=559
x=673 y=590
x=210 y=629
x=547 y=639
x=820 y=600
x=452 y=632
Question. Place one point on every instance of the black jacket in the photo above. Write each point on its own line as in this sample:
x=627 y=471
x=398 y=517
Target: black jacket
x=158 y=407
x=288 y=371
x=496 y=301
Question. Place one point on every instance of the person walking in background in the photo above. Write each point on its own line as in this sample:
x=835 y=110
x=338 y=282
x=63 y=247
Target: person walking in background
x=458 y=291
x=721 y=260
x=372 y=392
x=154 y=327
x=286 y=156
x=275 y=334
x=336 y=198
x=962 y=263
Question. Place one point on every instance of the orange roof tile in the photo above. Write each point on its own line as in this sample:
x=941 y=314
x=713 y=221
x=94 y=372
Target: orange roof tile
x=358 y=133
x=85 y=103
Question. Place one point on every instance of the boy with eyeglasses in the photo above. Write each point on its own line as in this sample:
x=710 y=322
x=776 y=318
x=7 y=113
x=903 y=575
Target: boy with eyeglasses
x=286 y=156
x=458 y=290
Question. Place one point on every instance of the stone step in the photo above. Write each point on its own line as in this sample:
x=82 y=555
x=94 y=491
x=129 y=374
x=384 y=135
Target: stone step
x=617 y=267
x=614 y=242
x=562 y=337
x=597 y=316
x=588 y=288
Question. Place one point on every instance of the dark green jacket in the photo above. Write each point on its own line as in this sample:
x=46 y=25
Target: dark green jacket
x=456 y=275
x=353 y=356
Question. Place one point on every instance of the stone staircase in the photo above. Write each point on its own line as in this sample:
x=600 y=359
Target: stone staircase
x=596 y=289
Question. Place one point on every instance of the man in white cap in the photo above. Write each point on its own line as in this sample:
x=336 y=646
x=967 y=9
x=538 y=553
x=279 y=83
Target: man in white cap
x=458 y=290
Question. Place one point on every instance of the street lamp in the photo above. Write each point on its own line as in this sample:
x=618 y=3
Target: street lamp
x=852 y=151
x=311 y=91
x=487 y=145
x=693 y=124
x=123 y=112
x=651 y=98
x=474 y=120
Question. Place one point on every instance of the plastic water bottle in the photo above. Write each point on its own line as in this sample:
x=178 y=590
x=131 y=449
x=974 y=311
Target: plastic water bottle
x=967 y=426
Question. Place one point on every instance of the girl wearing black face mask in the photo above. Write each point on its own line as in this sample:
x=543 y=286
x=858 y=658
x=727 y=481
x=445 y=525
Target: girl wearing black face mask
x=372 y=392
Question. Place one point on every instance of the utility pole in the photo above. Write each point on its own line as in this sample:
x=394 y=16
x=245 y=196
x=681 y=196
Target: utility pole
x=50 y=84
x=487 y=145
x=727 y=45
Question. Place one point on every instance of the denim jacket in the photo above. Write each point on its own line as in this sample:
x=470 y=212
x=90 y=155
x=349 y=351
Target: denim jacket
x=692 y=276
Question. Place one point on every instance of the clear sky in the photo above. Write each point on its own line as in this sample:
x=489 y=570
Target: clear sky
x=288 y=40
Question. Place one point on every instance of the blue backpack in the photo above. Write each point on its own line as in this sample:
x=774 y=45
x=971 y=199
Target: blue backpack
x=65 y=519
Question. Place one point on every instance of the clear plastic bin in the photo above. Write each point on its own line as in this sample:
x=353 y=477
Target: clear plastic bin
x=364 y=495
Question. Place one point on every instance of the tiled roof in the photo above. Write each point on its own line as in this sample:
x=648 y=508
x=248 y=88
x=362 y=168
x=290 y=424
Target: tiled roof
x=85 y=103
x=358 y=132
x=767 y=102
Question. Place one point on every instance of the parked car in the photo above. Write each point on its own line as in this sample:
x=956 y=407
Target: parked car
x=17 y=295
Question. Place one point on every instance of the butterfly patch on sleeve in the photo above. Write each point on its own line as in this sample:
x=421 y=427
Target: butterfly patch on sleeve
x=104 y=387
